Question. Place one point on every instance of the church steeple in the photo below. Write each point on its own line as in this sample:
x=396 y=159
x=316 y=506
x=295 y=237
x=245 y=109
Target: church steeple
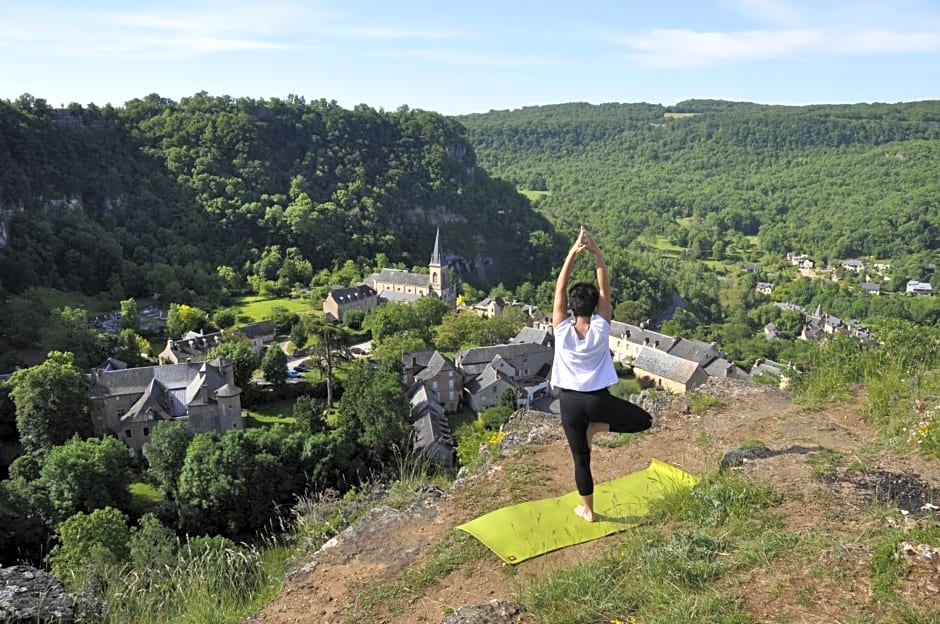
x=436 y=275
x=436 y=254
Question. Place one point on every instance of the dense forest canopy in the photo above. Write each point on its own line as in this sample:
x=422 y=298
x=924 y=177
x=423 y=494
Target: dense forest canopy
x=834 y=181
x=117 y=199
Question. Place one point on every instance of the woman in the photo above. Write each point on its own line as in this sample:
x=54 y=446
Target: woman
x=583 y=368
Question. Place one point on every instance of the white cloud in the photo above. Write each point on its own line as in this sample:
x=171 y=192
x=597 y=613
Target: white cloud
x=688 y=49
x=876 y=41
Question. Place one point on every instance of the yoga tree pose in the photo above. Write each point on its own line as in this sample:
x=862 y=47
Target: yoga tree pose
x=583 y=368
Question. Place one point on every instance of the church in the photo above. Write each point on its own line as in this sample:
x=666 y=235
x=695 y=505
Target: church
x=405 y=286
x=393 y=285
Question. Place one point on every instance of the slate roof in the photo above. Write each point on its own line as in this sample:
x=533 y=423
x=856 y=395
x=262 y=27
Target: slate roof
x=398 y=276
x=352 y=293
x=532 y=335
x=258 y=330
x=111 y=364
x=694 y=350
x=173 y=376
x=473 y=360
x=435 y=365
x=665 y=365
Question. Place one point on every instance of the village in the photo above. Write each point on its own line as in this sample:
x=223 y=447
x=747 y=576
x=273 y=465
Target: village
x=126 y=401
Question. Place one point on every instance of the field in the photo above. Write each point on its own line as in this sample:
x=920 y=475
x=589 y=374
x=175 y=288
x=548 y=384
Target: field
x=534 y=195
x=270 y=414
x=259 y=308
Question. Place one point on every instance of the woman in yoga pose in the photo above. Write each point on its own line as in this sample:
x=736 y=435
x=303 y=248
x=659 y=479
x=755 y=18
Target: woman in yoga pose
x=583 y=368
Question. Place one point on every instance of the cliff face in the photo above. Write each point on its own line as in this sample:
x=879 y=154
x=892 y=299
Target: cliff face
x=424 y=569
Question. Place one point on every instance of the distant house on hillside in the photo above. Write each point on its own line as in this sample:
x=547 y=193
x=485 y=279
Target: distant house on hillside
x=854 y=265
x=918 y=288
x=490 y=307
x=871 y=288
x=764 y=288
x=129 y=402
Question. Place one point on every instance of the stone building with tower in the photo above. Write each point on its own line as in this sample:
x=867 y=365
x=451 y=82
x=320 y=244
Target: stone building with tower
x=405 y=286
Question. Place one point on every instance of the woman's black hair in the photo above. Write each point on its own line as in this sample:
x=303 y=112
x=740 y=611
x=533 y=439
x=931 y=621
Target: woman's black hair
x=582 y=298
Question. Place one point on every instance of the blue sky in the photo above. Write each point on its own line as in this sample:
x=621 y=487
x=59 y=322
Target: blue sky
x=472 y=56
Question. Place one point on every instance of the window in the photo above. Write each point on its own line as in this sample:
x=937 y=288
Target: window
x=120 y=413
x=127 y=433
x=146 y=431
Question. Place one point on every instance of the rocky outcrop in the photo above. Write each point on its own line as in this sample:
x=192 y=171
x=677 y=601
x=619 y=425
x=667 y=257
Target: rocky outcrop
x=493 y=612
x=32 y=596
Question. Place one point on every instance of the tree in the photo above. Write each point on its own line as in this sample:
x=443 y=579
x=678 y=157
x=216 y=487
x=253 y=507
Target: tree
x=153 y=546
x=460 y=330
x=274 y=365
x=68 y=330
x=298 y=335
x=374 y=411
x=51 y=403
x=84 y=475
x=130 y=317
x=182 y=318
x=245 y=361
x=166 y=452
x=94 y=543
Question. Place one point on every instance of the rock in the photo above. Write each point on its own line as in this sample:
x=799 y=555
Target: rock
x=493 y=612
x=32 y=596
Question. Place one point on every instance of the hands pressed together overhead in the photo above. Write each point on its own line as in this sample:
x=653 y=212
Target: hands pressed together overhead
x=585 y=242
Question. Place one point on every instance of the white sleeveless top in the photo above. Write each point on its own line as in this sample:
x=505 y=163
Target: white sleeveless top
x=584 y=365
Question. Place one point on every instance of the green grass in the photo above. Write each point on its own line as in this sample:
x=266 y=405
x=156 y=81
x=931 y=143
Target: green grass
x=271 y=413
x=145 y=492
x=219 y=587
x=534 y=195
x=259 y=308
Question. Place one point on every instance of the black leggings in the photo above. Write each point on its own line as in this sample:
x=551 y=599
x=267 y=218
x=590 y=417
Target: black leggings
x=579 y=409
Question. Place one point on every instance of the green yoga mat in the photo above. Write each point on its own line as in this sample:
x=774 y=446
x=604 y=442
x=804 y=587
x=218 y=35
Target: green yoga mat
x=530 y=529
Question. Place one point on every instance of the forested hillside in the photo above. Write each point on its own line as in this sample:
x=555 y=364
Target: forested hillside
x=834 y=181
x=154 y=196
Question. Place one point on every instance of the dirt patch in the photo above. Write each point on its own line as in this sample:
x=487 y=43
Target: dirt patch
x=834 y=586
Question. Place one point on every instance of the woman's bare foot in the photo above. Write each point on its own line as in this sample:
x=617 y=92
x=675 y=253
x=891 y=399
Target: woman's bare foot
x=584 y=513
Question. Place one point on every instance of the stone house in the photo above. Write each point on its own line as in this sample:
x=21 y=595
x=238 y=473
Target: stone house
x=764 y=288
x=668 y=372
x=918 y=288
x=431 y=435
x=438 y=372
x=483 y=391
x=260 y=334
x=627 y=340
x=871 y=288
x=526 y=359
x=342 y=300
x=129 y=402
x=489 y=307
x=488 y=371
